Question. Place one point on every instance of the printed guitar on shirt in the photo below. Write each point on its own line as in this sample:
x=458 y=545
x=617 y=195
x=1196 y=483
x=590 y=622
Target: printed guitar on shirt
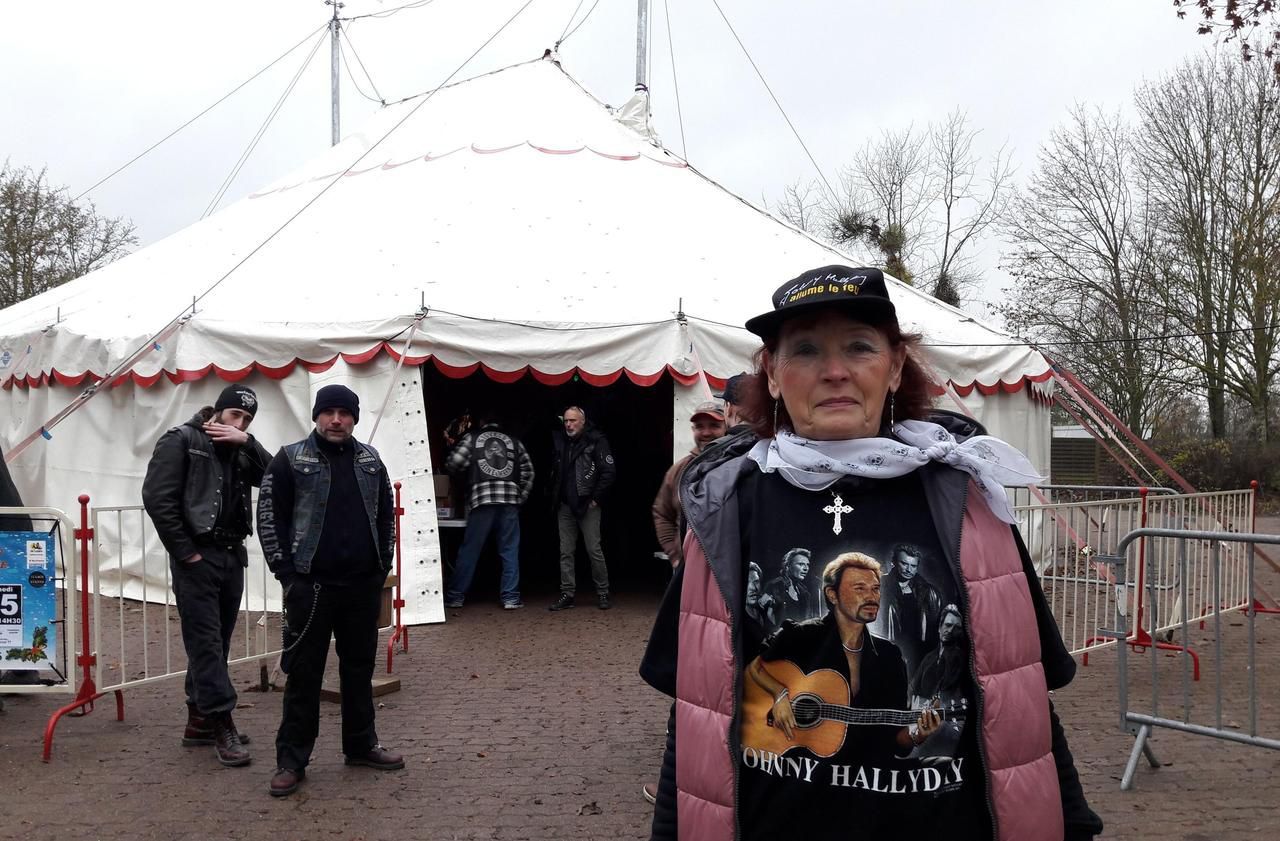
x=861 y=744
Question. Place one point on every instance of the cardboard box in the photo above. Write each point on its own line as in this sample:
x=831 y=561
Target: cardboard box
x=386 y=607
x=442 y=488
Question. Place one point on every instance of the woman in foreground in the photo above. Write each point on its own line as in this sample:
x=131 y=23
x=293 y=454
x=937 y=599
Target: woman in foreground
x=840 y=723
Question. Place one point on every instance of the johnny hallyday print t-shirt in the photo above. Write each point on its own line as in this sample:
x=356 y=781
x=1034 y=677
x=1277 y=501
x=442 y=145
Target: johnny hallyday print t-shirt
x=851 y=768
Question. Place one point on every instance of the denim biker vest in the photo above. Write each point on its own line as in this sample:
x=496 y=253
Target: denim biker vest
x=311 y=495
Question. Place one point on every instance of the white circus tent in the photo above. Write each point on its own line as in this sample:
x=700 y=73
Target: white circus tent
x=510 y=224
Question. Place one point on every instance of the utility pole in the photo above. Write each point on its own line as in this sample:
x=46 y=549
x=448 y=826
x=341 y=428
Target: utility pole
x=642 y=46
x=335 y=26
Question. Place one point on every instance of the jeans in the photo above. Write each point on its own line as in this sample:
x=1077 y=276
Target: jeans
x=503 y=521
x=589 y=525
x=208 y=593
x=348 y=613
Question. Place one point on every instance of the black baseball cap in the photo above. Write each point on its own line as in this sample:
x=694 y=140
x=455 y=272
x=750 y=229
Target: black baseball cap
x=732 y=389
x=862 y=291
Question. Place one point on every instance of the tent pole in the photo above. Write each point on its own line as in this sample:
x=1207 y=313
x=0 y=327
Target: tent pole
x=642 y=45
x=334 y=28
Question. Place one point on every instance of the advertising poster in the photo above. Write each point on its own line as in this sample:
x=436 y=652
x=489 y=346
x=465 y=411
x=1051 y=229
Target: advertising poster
x=28 y=600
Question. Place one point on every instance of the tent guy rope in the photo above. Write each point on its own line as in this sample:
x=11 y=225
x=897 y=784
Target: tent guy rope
x=182 y=318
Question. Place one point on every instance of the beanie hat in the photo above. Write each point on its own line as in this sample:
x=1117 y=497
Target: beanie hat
x=336 y=397
x=237 y=397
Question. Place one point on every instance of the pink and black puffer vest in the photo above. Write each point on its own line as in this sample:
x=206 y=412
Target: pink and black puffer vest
x=1014 y=728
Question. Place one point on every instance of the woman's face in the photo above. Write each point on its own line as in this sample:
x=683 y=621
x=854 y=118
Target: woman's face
x=833 y=374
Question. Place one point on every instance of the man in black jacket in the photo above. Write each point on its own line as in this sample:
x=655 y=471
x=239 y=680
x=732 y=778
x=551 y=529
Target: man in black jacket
x=582 y=472
x=197 y=494
x=326 y=521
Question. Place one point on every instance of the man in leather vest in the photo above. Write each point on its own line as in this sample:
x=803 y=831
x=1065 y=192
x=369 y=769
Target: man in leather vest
x=499 y=478
x=582 y=472
x=196 y=492
x=326 y=521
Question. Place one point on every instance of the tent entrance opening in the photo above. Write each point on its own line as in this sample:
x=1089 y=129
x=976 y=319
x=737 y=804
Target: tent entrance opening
x=637 y=420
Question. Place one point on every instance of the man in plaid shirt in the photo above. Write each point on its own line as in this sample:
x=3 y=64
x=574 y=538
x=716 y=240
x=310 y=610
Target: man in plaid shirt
x=499 y=475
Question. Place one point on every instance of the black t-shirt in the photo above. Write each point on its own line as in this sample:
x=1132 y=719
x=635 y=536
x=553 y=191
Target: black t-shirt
x=848 y=773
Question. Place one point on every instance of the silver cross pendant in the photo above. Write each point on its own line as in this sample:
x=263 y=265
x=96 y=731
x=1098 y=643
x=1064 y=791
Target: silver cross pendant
x=837 y=508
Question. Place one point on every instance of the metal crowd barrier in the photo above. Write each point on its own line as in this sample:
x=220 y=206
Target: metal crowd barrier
x=136 y=633
x=1065 y=540
x=1219 y=547
x=120 y=599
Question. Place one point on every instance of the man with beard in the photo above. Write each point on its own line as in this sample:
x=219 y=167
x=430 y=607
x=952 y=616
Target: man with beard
x=582 y=471
x=196 y=492
x=326 y=521
x=708 y=425
x=841 y=642
x=911 y=608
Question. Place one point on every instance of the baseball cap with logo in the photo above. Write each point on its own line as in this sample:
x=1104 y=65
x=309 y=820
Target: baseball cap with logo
x=861 y=291
x=710 y=409
x=237 y=397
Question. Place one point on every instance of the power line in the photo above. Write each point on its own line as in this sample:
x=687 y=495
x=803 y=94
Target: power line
x=225 y=97
x=812 y=160
x=569 y=35
x=675 y=80
x=253 y=144
x=342 y=49
x=386 y=13
x=132 y=358
x=569 y=21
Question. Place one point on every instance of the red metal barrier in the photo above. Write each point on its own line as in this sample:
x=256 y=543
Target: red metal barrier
x=1257 y=606
x=88 y=691
x=1141 y=640
x=400 y=632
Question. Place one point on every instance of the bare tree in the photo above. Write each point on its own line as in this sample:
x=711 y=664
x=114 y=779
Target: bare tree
x=885 y=199
x=47 y=239
x=1082 y=265
x=803 y=206
x=969 y=201
x=1210 y=148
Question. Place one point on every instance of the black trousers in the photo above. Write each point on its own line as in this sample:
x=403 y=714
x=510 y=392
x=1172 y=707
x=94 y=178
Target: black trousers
x=349 y=614
x=208 y=595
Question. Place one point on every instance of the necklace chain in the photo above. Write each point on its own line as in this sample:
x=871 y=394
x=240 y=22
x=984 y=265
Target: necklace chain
x=857 y=650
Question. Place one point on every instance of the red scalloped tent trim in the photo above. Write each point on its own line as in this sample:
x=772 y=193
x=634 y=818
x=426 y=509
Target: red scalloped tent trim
x=1000 y=385
x=451 y=371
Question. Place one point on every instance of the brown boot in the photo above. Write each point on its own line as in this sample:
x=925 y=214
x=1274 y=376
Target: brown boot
x=227 y=742
x=200 y=731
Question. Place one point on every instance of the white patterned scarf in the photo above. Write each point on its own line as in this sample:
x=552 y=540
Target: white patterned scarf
x=817 y=465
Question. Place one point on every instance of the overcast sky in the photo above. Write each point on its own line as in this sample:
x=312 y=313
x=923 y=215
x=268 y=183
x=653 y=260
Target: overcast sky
x=85 y=85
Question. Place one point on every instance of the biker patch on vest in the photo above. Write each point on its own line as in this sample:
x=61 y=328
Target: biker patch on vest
x=494 y=455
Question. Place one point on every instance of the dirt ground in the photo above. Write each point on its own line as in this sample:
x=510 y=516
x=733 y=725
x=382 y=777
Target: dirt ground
x=534 y=725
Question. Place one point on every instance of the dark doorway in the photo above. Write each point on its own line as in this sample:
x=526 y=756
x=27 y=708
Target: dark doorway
x=636 y=420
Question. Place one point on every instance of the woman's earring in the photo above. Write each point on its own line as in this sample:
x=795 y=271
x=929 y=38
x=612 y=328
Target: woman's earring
x=891 y=409
x=775 y=417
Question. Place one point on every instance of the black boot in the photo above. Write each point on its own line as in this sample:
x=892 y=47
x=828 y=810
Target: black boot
x=227 y=742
